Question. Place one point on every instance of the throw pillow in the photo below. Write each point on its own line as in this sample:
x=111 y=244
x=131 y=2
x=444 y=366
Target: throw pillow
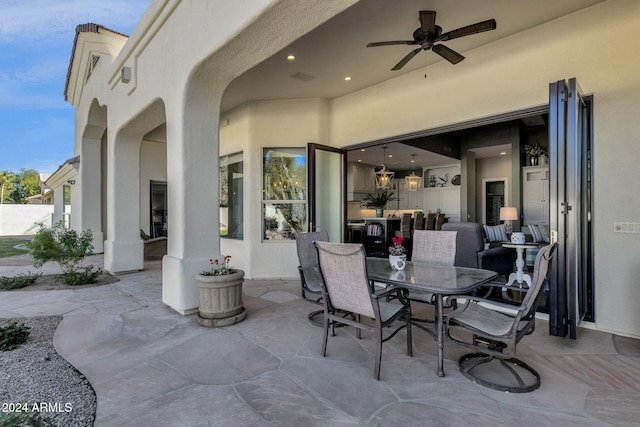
x=496 y=233
x=536 y=234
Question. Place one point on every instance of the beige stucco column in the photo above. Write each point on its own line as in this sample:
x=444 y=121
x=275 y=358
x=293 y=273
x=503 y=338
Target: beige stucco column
x=124 y=250
x=58 y=204
x=193 y=195
x=87 y=190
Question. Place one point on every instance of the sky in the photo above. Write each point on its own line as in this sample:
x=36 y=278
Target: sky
x=36 y=38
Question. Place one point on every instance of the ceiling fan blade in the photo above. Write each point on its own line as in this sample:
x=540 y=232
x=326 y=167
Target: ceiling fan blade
x=428 y=21
x=406 y=59
x=448 y=54
x=391 y=43
x=468 y=30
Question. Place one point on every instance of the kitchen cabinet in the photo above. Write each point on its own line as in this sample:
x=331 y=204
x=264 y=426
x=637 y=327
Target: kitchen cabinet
x=407 y=199
x=535 y=195
x=447 y=199
x=360 y=180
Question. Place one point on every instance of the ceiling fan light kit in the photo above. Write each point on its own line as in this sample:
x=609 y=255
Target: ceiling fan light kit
x=429 y=33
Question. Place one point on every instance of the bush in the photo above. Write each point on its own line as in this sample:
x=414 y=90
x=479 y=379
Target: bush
x=82 y=276
x=66 y=247
x=19 y=281
x=25 y=419
x=12 y=336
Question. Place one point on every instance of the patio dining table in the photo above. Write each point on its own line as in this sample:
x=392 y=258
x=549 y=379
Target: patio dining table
x=441 y=280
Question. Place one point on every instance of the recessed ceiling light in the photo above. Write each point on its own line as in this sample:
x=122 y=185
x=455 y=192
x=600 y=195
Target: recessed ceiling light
x=363 y=149
x=390 y=155
x=503 y=153
x=347 y=79
x=291 y=57
x=359 y=161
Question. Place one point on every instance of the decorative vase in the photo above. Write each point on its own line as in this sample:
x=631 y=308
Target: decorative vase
x=221 y=299
x=533 y=160
x=518 y=238
x=398 y=262
x=543 y=160
x=379 y=212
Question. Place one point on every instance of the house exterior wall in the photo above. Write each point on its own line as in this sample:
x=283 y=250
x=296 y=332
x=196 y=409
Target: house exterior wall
x=285 y=123
x=513 y=74
x=507 y=75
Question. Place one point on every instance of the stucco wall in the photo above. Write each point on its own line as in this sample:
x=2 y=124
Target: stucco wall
x=18 y=220
x=514 y=73
x=286 y=123
x=153 y=167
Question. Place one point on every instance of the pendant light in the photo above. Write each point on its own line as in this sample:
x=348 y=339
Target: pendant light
x=384 y=176
x=413 y=181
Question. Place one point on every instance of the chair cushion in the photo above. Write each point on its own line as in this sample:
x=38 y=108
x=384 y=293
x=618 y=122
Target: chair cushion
x=426 y=297
x=313 y=280
x=496 y=233
x=388 y=310
x=483 y=319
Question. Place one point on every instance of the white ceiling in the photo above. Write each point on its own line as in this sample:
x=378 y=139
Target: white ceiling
x=329 y=53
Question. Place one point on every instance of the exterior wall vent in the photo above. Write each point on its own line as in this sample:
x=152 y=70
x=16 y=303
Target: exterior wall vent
x=92 y=66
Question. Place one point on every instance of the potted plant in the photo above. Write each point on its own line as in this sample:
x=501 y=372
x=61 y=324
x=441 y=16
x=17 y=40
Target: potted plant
x=220 y=291
x=534 y=152
x=378 y=201
x=397 y=253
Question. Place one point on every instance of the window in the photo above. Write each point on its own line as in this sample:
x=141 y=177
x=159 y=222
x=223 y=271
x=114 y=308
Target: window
x=231 y=192
x=284 y=189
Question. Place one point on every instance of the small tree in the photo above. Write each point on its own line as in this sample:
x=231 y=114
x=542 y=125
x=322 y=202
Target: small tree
x=66 y=247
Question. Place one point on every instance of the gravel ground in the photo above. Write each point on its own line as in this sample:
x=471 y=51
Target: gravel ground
x=36 y=374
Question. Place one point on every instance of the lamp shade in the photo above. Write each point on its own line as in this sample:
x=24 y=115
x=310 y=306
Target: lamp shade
x=508 y=214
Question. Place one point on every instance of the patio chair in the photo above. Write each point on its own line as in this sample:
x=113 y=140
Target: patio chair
x=310 y=277
x=346 y=287
x=437 y=247
x=479 y=324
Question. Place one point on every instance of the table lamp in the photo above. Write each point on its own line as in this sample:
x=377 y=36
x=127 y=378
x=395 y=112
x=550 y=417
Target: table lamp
x=508 y=214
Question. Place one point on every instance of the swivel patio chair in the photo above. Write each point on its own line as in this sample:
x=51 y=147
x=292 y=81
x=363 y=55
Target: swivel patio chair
x=310 y=277
x=438 y=247
x=347 y=287
x=494 y=334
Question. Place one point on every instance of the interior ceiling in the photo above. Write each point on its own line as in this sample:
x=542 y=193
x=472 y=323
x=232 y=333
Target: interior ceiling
x=336 y=49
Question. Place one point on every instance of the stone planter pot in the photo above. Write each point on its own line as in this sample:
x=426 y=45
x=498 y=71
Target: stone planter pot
x=221 y=299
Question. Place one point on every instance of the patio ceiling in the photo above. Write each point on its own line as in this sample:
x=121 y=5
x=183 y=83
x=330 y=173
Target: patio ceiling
x=337 y=49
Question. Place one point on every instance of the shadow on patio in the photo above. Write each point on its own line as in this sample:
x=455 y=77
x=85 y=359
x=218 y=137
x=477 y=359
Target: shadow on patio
x=152 y=366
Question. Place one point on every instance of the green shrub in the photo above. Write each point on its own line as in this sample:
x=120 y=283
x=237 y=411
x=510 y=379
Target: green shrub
x=19 y=281
x=82 y=276
x=32 y=419
x=66 y=247
x=13 y=335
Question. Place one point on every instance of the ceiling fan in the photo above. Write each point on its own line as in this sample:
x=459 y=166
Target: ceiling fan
x=429 y=33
